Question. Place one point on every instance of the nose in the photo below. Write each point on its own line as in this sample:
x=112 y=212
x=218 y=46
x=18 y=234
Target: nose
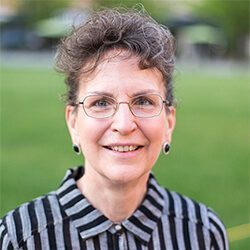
x=123 y=120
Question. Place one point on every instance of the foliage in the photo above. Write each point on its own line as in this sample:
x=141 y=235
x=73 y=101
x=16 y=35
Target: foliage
x=157 y=9
x=35 y=10
x=232 y=16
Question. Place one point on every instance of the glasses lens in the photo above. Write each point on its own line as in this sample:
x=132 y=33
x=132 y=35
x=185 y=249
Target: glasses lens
x=99 y=106
x=146 y=105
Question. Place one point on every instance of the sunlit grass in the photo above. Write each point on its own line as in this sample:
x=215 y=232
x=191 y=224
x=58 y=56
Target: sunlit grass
x=209 y=159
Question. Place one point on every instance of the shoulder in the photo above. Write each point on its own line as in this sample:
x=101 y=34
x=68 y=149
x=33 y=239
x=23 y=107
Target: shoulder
x=217 y=230
x=29 y=219
x=196 y=215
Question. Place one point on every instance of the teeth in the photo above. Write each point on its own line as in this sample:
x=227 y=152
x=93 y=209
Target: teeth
x=124 y=148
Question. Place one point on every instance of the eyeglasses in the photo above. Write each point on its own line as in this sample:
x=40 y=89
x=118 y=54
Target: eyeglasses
x=143 y=106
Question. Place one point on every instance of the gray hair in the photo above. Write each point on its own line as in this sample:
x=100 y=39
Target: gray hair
x=131 y=30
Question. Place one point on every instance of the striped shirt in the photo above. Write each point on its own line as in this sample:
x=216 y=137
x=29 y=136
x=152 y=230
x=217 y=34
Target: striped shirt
x=64 y=219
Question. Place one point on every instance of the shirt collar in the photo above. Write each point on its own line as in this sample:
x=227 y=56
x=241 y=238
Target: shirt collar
x=89 y=221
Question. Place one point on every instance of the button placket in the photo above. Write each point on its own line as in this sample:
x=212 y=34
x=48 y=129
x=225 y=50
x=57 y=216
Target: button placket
x=120 y=236
x=119 y=229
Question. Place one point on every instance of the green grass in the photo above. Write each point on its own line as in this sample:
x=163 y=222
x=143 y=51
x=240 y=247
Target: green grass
x=209 y=160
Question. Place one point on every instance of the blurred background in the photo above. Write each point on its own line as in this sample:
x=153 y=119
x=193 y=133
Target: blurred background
x=209 y=160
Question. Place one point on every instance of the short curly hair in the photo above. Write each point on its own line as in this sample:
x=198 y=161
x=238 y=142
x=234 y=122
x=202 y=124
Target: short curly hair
x=131 y=30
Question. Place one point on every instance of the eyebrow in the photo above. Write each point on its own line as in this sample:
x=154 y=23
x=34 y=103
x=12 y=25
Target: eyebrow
x=101 y=93
x=144 y=92
x=141 y=92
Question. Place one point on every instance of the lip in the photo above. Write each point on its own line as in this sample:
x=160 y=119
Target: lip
x=123 y=144
x=123 y=154
x=126 y=155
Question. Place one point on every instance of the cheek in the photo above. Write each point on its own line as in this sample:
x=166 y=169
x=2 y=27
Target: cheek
x=156 y=131
x=90 y=131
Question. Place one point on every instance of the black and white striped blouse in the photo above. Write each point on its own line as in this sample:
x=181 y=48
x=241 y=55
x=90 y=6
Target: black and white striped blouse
x=64 y=219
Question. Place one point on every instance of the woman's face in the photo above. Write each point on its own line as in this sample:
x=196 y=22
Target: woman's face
x=101 y=140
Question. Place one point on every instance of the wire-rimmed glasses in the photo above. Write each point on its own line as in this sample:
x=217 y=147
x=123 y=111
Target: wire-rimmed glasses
x=142 y=106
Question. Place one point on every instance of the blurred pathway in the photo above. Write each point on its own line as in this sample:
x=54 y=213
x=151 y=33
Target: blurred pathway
x=27 y=59
x=225 y=68
x=45 y=59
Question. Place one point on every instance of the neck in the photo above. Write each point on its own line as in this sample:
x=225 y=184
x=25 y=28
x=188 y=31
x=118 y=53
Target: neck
x=116 y=201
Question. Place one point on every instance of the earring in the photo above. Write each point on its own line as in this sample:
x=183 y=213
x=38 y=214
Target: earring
x=76 y=149
x=166 y=148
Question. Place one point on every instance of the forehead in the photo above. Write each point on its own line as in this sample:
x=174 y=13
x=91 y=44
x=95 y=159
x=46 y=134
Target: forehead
x=119 y=73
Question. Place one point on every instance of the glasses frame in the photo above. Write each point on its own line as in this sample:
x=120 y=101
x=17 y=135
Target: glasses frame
x=164 y=102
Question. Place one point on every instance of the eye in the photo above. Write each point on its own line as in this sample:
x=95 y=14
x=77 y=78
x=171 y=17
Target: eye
x=99 y=102
x=143 y=101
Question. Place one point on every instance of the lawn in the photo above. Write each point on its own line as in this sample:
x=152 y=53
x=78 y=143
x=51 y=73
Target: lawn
x=209 y=160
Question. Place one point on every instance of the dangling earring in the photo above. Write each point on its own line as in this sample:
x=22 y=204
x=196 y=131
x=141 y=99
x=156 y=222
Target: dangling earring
x=166 y=148
x=76 y=149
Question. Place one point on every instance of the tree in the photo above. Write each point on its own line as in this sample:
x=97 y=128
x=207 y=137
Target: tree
x=39 y=9
x=232 y=16
x=157 y=9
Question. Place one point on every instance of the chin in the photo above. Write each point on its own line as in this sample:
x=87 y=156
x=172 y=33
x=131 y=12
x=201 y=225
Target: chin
x=124 y=175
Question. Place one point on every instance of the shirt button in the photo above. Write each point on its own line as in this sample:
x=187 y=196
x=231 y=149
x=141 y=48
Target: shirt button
x=119 y=229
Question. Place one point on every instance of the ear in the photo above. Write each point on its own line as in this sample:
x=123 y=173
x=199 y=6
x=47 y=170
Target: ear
x=71 y=120
x=170 y=124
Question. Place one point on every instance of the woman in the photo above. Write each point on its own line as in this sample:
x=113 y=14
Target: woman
x=120 y=114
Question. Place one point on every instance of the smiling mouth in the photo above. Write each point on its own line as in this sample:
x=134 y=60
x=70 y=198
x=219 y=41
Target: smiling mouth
x=123 y=149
